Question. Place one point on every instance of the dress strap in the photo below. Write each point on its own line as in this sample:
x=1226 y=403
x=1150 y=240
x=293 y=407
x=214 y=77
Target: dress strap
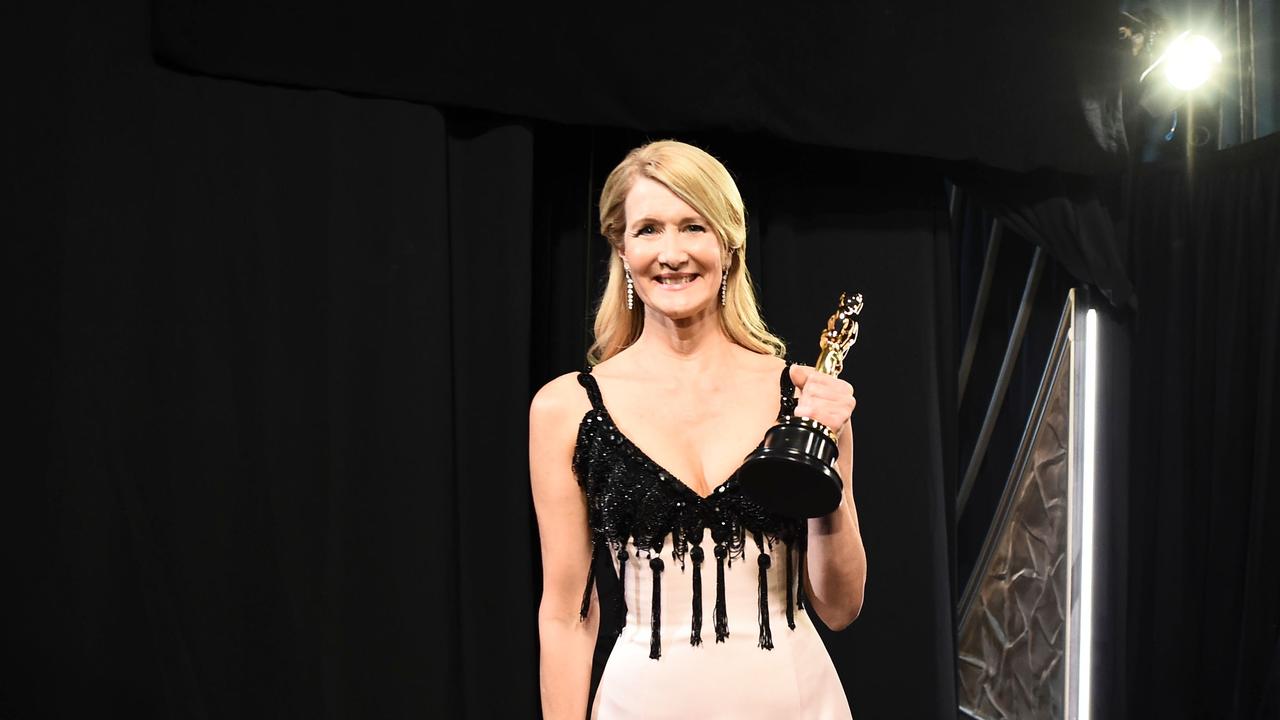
x=787 y=404
x=588 y=381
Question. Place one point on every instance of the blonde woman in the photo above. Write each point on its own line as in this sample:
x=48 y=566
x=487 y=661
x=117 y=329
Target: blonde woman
x=637 y=459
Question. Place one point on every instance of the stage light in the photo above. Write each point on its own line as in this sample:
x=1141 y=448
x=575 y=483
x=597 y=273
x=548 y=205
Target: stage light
x=1189 y=61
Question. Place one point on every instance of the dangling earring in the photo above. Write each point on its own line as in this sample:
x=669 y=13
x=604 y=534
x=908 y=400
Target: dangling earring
x=630 y=291
x=724 y=284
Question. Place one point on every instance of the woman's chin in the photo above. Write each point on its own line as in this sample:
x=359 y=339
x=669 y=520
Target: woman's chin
x=680 y=309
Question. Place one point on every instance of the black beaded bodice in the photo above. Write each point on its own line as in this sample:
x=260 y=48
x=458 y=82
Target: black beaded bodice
x=631 y=497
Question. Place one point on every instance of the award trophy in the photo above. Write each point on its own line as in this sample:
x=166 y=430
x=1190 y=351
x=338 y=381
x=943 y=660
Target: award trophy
x=793 y=471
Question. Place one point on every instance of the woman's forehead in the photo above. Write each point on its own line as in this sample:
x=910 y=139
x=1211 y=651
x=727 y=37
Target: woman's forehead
x=651 y=199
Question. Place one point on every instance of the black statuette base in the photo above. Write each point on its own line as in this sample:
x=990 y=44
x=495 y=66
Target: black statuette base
x=793 y=472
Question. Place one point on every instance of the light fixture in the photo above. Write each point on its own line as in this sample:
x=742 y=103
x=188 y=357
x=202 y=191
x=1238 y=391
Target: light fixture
x=1192 y=59
x=1189 y=60
x=1084 y=688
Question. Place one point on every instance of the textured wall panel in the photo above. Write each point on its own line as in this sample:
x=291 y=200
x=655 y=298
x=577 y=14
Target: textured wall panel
x=1012 y=635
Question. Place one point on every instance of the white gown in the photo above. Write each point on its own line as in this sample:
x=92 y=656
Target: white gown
x=733 y=679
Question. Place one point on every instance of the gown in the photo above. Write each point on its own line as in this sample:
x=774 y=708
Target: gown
x=714 y=624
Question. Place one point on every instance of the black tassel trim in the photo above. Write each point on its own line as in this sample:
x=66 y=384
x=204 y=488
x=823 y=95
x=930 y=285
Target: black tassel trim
x=622 y=587
x=791 y=596
x=766 y=635
x=695 y=635
x=721 y=616
x=586 y=592
x=804 y=545
x=655 y=630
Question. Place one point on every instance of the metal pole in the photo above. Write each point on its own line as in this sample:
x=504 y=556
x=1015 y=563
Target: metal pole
x=1002 y=382
x=979 y=307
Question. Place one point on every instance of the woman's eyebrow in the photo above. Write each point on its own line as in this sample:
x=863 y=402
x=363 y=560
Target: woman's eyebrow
x=655 y=221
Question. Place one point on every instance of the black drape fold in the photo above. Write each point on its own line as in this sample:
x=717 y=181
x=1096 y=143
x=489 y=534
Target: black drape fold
x=1269 y=705
x=1062 y=213
x=490 y=191
x=1205 y=523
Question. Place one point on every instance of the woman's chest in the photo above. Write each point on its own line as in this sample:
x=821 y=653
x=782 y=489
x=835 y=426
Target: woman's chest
x=700 y=442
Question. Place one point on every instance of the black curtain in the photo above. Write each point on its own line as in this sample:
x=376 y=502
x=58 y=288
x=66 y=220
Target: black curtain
x=1204 y=526
x=270 y=341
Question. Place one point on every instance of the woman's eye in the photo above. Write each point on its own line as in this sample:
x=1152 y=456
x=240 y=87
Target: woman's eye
x=646 y=230
x=696 y=228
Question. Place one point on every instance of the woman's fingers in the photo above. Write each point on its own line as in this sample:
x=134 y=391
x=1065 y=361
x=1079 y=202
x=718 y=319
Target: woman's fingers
x=824 y=398
x=800 y=374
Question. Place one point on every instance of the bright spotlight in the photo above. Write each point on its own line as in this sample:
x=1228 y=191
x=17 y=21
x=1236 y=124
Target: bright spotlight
x=1190 y=60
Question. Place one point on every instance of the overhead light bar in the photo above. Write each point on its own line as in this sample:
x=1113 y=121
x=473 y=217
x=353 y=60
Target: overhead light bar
x=1088 y=469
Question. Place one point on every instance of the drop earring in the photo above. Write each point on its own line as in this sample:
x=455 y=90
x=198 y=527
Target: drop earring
x=631 y=293
x=724 y=284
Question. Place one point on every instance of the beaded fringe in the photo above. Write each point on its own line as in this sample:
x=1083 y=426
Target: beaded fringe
x=721 y=615
x=791 y=613
x=794 y=594
x=622 y=588
x=655 y=628
x=695 y=634
x=586 y=592
x=766 y=636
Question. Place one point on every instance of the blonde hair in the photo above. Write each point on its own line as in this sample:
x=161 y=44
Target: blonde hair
x=705 y=185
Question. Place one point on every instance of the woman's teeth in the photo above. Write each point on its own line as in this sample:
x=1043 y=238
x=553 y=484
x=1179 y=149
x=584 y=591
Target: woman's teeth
x=677 y=281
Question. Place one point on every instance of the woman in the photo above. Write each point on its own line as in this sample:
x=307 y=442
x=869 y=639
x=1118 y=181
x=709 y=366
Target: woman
x=684 y=367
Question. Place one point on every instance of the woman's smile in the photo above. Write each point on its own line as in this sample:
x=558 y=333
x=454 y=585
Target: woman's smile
x=675 y=281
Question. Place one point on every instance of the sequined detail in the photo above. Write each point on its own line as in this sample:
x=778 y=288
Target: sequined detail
x=631 y=497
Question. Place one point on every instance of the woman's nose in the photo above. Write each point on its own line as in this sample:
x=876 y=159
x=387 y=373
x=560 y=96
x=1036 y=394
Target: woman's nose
x=672 y=253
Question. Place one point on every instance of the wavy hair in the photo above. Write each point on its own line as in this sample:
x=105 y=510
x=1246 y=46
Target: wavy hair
x=703 y=183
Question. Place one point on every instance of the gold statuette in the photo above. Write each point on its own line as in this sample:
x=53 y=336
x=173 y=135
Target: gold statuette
x=793 y=471
x=840 y=335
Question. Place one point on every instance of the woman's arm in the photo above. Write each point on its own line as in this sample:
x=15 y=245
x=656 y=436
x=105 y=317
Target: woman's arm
x=835 y=568
x=567 y=642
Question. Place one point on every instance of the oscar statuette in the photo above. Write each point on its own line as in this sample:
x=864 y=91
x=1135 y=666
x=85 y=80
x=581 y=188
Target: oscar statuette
x=793 y=470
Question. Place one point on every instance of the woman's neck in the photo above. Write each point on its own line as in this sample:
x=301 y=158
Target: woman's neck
x=693 y=344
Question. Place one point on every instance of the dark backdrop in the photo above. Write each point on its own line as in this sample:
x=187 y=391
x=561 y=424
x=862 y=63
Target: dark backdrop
x=1204 y=526
x=267 y=337
x=1016 y=85
x=277 y=348
x=276 y=345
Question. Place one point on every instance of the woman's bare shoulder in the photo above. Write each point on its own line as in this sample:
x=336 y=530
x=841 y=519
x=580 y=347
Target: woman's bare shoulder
x=561 y=397
x=771 y=363
x=555 y=417
x=762 y=363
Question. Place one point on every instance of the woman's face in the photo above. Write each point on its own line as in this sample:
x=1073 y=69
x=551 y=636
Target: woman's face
x=673 y=254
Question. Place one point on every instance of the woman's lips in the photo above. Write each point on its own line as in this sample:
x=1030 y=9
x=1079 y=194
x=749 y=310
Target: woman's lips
x=675 y=287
